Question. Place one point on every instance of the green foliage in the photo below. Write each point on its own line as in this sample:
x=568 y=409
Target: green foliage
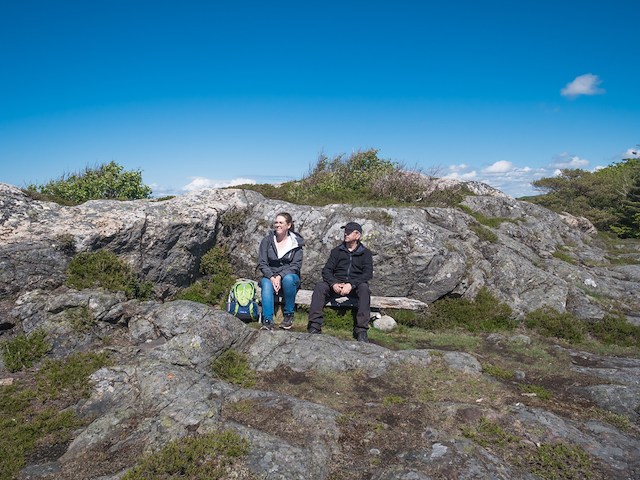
x=205 y=457
x=69 y=376
x=21 y=433
x=540 y=392
x=363 y=179
x=484 y=234
x=565 y=257
x=498 y=372
x=23 y=351
x=391 y=400
x=614 y=330
x=482 y=314
x=80 y=318
x=493 y=222
x=104 y=269
x=551 y=323
x=487 y=434
x=560 y=461
x=609 y=197
x=338 y=318
x=219 y=278
x=25 y=424
x=233 y=367
x=106 y=181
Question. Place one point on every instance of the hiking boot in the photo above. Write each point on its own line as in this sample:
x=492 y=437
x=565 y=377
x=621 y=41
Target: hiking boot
x=312 y=329
x=267 y=325
x=287 y=321
x=362 y=336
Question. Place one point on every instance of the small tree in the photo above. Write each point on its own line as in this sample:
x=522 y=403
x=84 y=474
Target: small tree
x=107 y=181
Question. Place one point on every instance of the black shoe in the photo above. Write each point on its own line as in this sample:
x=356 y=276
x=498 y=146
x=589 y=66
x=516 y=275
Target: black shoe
x=311 y=329
x=362 y=337
x=267 y=325
x=287 y=322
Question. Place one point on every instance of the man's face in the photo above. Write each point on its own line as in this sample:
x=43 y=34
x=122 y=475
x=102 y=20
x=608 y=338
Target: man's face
x=351 y=235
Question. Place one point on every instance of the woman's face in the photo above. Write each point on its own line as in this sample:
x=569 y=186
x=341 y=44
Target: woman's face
x=280 y=224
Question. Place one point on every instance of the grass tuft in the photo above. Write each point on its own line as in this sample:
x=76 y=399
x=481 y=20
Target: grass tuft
x=23 y=351
x=233 y=367
x=104 y=269
x=203 y=457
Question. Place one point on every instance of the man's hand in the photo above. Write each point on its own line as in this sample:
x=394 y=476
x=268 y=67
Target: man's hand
x=275 y=281
x=343 y=289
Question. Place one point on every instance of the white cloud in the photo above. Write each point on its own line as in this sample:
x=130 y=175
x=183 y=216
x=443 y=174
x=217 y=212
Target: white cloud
x=565 y=160
x=632 y=153
x=458 y=168
x=501 y=166
x=460 y=175
x=200 y=183
x=586 y=84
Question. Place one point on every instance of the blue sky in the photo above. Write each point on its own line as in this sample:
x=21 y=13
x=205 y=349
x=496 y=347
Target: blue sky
x=204 y=93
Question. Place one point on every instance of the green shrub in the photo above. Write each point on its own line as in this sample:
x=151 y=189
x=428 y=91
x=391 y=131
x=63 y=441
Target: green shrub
x=565 y=257
x=21 y=433
x=482 y=314
x=487 y=433
x=69 y=375
x=23 y=351
x=219 y=278
x=540 y=392
x=205 y=457
x=363 y=179
x=338 y=318
x=104 y=269
x=106 y=181
x=484 y=234
x=498 y=372
x=613 y=330
x=233 y=367
x=80 y=318
x=560 y=461
x=493 y=222
x=551 y=323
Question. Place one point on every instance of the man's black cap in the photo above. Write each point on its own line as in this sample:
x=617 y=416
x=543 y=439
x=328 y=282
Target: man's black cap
x=351 y=226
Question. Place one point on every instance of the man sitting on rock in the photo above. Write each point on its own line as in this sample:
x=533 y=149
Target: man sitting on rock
x=346 y=273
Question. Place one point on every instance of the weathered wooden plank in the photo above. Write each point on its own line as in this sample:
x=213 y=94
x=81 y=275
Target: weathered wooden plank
x=304 y=298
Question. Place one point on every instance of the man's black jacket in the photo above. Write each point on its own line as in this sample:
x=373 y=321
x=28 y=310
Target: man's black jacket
x=344 y=266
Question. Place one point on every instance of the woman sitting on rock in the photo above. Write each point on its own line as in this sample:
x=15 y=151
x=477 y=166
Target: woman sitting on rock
x=280 y=261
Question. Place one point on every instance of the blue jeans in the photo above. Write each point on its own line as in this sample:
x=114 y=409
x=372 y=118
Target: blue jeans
x=288 y=289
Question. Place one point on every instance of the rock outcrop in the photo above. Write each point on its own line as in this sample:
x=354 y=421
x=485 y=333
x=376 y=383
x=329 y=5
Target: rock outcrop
x=161 y=388
x=532 y=258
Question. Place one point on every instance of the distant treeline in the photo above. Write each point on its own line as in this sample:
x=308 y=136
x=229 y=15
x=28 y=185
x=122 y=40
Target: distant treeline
x=609 y=197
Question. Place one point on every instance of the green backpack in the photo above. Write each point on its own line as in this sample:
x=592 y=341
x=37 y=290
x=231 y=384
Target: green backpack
x=243 y=301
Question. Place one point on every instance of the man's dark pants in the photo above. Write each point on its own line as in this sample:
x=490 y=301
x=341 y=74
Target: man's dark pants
x=323 y=292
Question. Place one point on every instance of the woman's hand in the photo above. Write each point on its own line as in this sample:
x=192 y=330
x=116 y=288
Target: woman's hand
x=275 y=281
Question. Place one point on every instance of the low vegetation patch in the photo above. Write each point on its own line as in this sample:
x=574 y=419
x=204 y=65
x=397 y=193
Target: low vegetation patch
x=363 y=178
x=493 y=222
x=106 y=181
x=23 y=351
x=26 y=421
x=213 y=288
x=205 y=457
x=559 y=461
x=69 y=376
x=233 y=367
x=487 y=433
x=482 y=314
x=105 y=269
x=484 y=234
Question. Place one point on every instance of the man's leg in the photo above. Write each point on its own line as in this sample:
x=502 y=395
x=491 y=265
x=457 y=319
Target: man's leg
x=321 y=293
x=364 y=311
